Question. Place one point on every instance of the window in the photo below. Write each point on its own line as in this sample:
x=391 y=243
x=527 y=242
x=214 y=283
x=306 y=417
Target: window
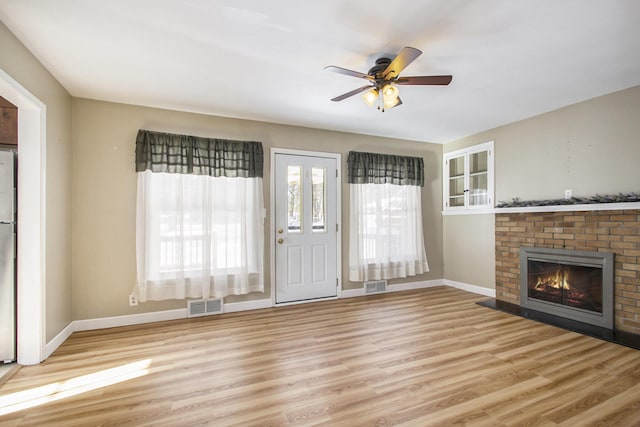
x=318 y=199
x=386 y=236
x=468 y=178
x=294 y=199
x=295 y=212
x=198 y=235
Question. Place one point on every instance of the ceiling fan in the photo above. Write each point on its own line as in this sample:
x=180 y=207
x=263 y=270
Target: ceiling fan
x=384 y=79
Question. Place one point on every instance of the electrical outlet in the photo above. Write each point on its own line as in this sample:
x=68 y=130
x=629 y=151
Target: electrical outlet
x=133 y=300
x=568 y=194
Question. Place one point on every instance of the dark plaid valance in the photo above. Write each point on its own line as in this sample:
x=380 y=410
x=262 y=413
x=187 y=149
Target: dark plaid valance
x=373 y=168
x=172 y=153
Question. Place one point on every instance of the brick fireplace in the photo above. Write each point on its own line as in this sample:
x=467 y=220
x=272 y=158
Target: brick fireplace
x=616 y=232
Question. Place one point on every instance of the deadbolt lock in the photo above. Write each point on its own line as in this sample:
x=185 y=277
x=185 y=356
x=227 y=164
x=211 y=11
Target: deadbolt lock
x=280 y=240
x=280 y=231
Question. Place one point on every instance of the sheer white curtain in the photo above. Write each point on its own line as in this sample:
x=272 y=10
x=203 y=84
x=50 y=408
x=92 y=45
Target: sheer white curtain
x=386 y=237
x=198 y=236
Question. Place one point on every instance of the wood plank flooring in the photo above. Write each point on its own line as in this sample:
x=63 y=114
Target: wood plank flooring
x=426 y=357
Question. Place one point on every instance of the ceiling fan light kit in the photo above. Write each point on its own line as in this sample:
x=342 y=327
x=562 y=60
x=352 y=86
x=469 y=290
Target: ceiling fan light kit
x=384 y=77
x=371 y=96
x=390 y=96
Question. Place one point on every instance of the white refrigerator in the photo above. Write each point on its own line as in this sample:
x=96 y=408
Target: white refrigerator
x=7 y=256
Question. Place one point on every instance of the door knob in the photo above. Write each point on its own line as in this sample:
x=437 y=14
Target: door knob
x=280 y=231
x=280 y=240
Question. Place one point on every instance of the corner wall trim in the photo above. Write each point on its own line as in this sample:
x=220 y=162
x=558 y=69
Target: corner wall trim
x=471 y=288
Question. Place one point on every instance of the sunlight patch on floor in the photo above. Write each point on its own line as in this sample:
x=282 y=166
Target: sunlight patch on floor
x=55 y=391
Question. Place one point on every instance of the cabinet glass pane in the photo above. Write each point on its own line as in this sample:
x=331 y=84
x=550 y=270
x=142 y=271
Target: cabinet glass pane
x=456 y=167
x=456 y=186
x=456 y=201
x=294 y=199
x=478 y=191
x=478 y=162
x=318 y=199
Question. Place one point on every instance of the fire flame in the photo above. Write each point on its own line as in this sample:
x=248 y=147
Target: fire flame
x=558 y=280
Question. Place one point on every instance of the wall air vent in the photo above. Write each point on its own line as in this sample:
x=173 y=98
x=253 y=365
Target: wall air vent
x=204 y=307
x=375 y=287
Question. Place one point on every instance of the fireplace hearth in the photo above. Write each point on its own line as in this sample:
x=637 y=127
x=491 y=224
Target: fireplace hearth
x=576 y=285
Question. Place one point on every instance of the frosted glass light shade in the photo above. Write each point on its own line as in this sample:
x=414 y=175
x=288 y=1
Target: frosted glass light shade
x=370 y=97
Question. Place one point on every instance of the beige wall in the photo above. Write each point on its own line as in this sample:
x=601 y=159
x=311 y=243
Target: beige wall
x=468 y=249
x=591 y=148
x=24 y=68
x=104 y=189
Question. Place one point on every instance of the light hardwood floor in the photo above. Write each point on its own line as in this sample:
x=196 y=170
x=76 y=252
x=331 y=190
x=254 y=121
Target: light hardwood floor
x=427 y=357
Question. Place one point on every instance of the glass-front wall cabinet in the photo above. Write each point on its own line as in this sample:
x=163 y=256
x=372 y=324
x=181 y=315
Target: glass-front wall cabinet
x=468 y=178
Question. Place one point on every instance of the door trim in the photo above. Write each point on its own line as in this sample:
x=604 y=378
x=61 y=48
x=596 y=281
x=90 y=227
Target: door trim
x=272 y=221
x=32 y=191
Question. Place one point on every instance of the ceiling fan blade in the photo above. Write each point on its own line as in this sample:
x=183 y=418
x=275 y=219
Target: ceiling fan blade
x=347 y=72
x=425 y=80
x=406 y=56
x=353 y=92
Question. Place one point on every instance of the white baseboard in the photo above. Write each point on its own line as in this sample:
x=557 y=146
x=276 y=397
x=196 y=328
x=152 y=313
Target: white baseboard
x=160 y=316
x=471 y=288
x=415 y=285
x=52 y=345
x=129 y=319
x=398 y=287
x=247 y=305
x=350 y=293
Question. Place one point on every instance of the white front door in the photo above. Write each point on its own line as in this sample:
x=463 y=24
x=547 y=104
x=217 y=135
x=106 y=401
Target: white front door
x=305 y=227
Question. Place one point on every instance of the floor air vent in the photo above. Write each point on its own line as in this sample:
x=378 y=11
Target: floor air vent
x=204 y=307
x=375 y=287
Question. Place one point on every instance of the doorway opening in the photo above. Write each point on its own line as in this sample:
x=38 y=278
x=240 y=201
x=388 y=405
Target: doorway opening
x=31 y=220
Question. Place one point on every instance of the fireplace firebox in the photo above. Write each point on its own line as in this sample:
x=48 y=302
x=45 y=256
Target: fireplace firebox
x=573 y=284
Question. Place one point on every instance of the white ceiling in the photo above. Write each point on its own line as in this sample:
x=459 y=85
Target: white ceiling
x=264 y=60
